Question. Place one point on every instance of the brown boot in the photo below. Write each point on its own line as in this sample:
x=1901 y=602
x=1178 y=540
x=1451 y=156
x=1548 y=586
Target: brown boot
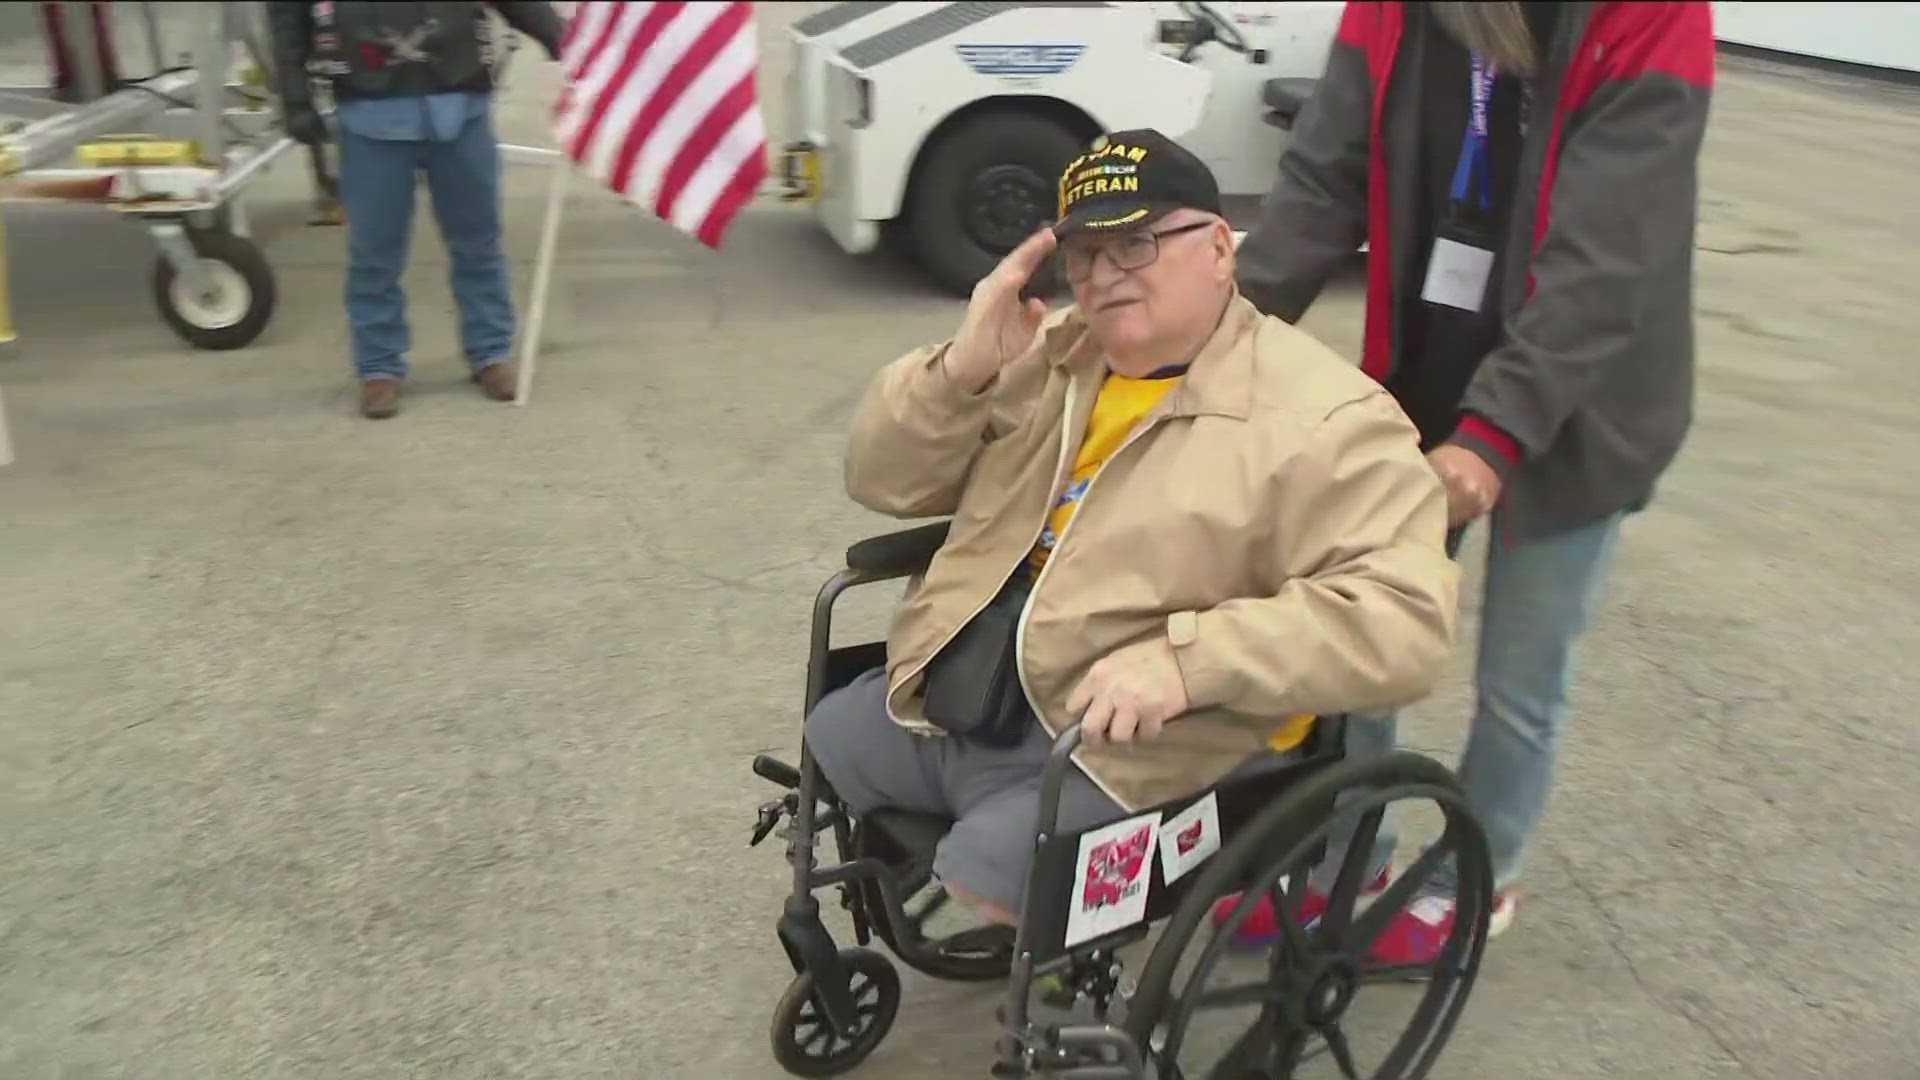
x=497 y=380
x=379 y=398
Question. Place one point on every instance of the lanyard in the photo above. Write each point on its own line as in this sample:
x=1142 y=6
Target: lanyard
x=1473 y=146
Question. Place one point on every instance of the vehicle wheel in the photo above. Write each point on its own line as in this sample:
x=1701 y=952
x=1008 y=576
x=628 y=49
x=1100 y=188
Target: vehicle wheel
x=804 y=1041
x=897 y=240
x=1305 y=986
x=239 y=304
x=985 y=186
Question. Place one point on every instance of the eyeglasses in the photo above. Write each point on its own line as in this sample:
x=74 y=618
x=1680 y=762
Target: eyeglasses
x=1129 y=251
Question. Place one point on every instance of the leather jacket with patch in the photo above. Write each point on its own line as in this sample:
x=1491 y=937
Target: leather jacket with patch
x=365 y=49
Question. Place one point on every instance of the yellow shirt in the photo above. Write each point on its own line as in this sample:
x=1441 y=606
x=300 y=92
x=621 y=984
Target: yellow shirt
x=1122 y=403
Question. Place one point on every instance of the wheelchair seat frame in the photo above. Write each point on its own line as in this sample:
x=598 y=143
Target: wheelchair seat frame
x=1261 y=830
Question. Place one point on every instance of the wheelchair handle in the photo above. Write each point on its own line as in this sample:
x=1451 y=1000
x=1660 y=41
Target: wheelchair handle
x=1054 y=777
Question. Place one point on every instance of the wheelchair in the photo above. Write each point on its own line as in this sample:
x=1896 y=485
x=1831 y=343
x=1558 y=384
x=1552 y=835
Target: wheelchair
x=1272 y=826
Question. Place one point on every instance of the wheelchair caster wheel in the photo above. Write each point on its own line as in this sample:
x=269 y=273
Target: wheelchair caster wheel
x=805 y=1042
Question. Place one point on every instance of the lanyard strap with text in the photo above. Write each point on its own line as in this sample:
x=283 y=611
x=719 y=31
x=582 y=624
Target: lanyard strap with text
x=1472 y=165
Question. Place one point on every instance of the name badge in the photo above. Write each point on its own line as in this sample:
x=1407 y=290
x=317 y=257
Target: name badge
x=1457 y=275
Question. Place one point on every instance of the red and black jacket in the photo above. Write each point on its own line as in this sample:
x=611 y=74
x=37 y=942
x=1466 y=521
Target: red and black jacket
x=1588 y=396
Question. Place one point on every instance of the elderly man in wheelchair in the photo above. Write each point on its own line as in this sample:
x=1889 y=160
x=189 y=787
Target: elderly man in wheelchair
x=1181 y=541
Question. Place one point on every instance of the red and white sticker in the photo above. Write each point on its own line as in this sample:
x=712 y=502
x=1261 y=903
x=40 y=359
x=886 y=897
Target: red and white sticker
x=1110 y=882
x=1189 y=838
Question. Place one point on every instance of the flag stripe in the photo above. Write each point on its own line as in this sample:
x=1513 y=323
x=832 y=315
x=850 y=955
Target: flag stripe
x=712 y=189
x=595 y=20
x=633 y=45
x=641 y=81
x=695 y=63
x=701 y=151
x=586 y=37
x=736 y=195
x=661 y=107
x=584 y=60
x=732 y=63
x=598 y=25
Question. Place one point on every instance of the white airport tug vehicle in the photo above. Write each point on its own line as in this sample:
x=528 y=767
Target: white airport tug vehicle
x=940 y=129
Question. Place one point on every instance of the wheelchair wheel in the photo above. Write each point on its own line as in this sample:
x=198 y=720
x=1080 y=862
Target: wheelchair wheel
x=805 y=1043
x=1303 y=992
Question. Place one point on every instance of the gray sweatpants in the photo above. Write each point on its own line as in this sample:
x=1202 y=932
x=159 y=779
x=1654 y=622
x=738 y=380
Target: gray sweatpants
x=992 y=794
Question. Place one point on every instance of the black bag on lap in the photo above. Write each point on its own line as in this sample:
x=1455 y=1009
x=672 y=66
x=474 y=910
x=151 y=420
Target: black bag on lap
x=972 y=687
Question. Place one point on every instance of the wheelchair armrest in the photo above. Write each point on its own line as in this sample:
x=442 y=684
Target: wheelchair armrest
x=903 y=552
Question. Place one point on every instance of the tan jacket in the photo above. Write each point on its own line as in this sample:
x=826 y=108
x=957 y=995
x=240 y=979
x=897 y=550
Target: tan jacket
x=1273 y=520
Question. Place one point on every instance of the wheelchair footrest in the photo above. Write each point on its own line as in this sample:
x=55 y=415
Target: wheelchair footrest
x=989 y=938
x=1115 y=1055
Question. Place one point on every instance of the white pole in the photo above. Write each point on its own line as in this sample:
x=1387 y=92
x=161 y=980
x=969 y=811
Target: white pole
x=6 y=343
x=6 y=440
x=542 y=275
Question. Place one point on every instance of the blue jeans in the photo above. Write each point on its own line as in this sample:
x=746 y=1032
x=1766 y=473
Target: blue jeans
x=377 y=193
x=1540 y=594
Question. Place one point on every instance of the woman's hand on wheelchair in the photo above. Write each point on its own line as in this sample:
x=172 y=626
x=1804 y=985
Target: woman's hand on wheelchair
x=1130 y=694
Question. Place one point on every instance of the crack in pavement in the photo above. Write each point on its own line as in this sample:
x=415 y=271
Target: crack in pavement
x=1615 y=938
x=646 y=547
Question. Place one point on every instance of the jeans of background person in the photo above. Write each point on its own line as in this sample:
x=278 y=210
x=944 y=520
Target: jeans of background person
x=1539 y=597
x=384 y=143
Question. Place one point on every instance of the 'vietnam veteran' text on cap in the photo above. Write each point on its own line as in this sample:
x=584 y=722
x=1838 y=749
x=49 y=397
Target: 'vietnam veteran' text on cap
x=1128 y=179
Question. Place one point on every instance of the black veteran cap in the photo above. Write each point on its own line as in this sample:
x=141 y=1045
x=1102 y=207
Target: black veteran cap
x=1127 y=179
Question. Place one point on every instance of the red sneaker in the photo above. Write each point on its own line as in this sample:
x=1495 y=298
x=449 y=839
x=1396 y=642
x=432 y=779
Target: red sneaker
x=1416 y=935
x=1258 y=930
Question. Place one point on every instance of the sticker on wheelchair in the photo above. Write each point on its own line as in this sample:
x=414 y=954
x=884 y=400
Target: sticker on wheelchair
x=1189 y=838
x=1111 y=877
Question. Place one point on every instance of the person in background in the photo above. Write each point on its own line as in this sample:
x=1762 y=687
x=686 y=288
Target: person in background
x=1525 y=177
x=412 y=85
x=61 y=59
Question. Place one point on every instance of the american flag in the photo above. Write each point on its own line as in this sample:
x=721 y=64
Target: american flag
x=660 y=107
